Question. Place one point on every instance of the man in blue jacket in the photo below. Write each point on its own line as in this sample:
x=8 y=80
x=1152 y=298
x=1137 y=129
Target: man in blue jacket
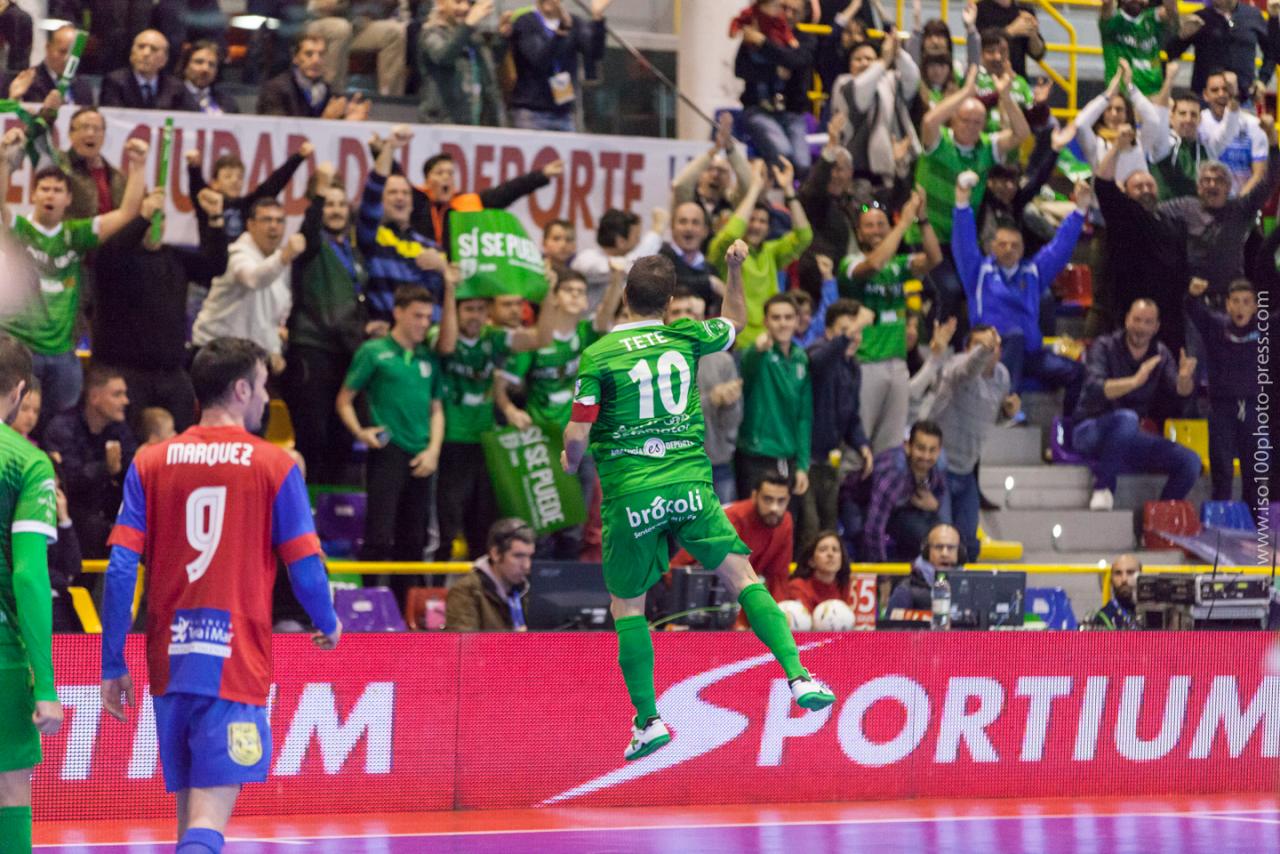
x=1004 y=290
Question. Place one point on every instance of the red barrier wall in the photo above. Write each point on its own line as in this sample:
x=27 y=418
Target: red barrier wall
x=436 y=721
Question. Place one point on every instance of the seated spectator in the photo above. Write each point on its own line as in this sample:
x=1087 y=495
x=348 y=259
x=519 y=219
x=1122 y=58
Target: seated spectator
x=302 y=91
x=1120 y=612
x=157 y=426
x=925 y=363
x=766 y=258
x=973 y=393
x=33 y=85
x=139 y=326
x=837 y=378
x=559 y=242
x=252 y=298
x=948 y=151
x=401 y=379
x=187 y=22
x=717 y=179
x=690 y=229
x=908 y=496
x=545 y=46
x=145 y=85
x=770 y=55
x=97 y=187
x=95 y=447
x=878 y=280
x=456 y=63
x=228 y=182
x=1175 y=164
x=372 y=26
x=617 y=236
x=822 y=572
x=1136 y=32
x=1231 y=349
x=198 y=71
x=720 y=392
x=1004 y=291
x=326 y=326
x=28 y=413
x=1018 y=23
x=396 y=253
x=941 y=550
x=763 y=523
x=775 y=379
x=439 y=194
x=56 y=246
x=1121 y=105
x=827 y=200
x=493 y=597
x=874 y=97
x=1234 y=137
x=1130 y=375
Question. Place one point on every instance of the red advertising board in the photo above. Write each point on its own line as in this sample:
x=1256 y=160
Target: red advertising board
x=436 y=721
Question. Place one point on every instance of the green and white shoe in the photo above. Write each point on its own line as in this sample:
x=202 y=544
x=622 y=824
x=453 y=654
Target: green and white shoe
x=645 y=740
x=811 y=694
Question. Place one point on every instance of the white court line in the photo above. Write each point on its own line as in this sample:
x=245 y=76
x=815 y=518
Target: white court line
x=1224 y=815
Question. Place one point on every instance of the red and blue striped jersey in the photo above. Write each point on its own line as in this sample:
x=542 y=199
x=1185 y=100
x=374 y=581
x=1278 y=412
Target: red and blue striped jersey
x=210 y=511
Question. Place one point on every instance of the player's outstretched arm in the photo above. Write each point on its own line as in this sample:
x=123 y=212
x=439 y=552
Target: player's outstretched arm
x=734 y=309
x=117 y=615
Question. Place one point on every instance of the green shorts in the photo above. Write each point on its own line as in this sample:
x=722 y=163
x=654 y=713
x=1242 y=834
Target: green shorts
x=636 y=527
x=20 y=747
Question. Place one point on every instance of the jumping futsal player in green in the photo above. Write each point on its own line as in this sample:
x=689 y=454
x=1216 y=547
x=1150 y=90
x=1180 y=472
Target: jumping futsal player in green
x=637 y=403
x=29 y=703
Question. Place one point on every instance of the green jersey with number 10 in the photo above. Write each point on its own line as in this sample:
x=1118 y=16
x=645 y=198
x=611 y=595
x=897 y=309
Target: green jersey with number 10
x=643 y=377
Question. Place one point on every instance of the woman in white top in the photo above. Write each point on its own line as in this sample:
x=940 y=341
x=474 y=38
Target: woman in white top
x=1121 y=104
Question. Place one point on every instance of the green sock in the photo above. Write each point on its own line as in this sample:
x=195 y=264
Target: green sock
x=770 y=625
x=15 y=829
x=635 y=657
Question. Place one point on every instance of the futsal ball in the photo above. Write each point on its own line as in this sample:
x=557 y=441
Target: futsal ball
x=798 y=615
x=833 y=616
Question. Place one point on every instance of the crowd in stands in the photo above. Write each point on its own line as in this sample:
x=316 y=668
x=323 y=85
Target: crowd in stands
x=899 y=279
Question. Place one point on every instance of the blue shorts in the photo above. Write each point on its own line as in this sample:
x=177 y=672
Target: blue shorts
x=207 y=741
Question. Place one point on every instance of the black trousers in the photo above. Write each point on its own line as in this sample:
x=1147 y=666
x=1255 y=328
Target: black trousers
x=312 y=379
x=464 y=499
x=908 y=526
x=397 y=520
x=170 y=390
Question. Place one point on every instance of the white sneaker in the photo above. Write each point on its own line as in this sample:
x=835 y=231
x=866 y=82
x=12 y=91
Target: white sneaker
x=1102 y=499
x=811 y=694
x=645 y=741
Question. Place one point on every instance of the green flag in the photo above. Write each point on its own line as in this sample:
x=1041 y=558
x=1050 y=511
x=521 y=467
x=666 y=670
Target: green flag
x=524 y=465
x=495 y=255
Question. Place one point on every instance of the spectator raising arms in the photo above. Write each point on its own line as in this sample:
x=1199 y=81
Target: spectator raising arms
x=1121 y=105
x=716 y=180
x=459 y=85
x=546 y=44
x=873 y=98
x=765 y=258
x=1018 y=23
x=1136 y=32
x=57 y=246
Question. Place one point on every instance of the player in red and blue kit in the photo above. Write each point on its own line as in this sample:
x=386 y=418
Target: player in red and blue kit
x=208 y=512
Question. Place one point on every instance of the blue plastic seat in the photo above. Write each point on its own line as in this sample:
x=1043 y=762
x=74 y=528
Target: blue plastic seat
x=1234 y=515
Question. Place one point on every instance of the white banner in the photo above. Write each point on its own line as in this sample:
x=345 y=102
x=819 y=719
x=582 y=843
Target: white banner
x=601 y=172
